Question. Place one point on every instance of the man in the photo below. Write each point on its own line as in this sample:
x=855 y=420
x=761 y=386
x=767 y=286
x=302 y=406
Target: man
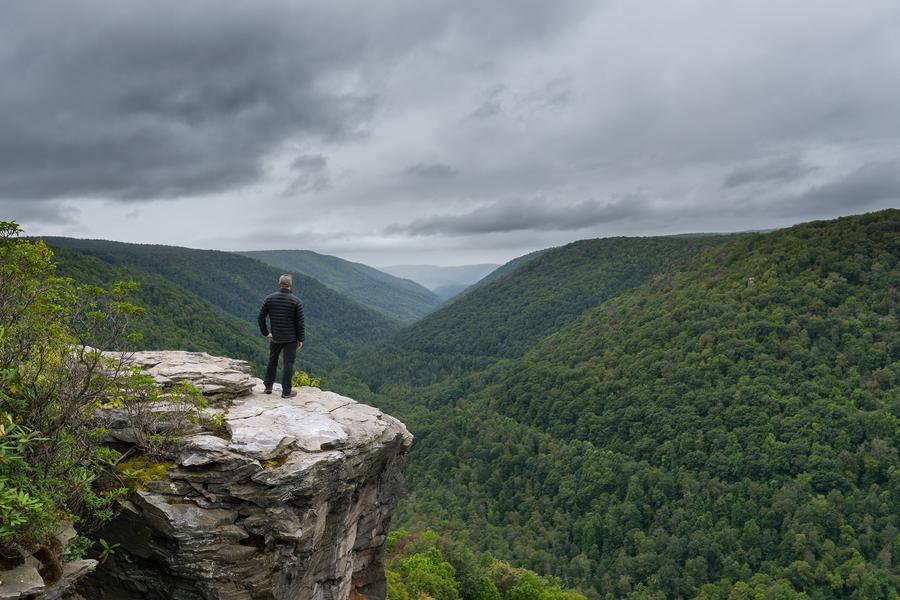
x=285 y=313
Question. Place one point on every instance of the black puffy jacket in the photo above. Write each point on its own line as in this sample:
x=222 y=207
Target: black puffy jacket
x=285 y=312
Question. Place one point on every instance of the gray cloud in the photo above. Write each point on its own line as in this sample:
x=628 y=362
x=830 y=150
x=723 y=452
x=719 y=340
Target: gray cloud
x=490 y=105
x=425 y=170
x=310 y=174
x=170 y=99
x=436 y=114
x=51 y=213
x=784 y=169
x=875 y=185
x=163 y=100
x=535 y=215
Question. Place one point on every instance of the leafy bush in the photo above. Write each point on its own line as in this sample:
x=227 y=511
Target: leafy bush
x=52 y=379
x=426 y=565
x=302 y=379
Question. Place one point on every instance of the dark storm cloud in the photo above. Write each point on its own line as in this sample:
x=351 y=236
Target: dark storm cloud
x=165 y=99
x=411 y=125
x=425 y=170
x=784 y=169
x=310 y=174
x=535 y=215
x=162 y=99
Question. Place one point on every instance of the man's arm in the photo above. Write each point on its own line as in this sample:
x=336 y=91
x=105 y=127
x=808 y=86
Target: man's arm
x=299 y=325
x=261 y=319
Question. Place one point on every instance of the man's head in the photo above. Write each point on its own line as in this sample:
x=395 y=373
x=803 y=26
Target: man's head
x=286 y=281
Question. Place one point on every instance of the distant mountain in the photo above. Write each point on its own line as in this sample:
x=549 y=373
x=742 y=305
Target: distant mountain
x=235 y=285
x=446 y=292
x=726 y=428
x=434 y=277
x=451 y=291
x=398 y=298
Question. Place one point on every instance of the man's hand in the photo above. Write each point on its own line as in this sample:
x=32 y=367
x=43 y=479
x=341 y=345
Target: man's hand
x=269 y=337
x=299 y=344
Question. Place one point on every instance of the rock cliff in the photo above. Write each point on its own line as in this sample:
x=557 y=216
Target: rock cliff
x=291 y=501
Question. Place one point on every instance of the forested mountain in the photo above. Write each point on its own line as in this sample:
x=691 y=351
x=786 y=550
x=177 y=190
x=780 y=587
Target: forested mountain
x=728 y=429
x=398 y=298
x=508 y=267
x=236 y=285
x=173 y=319
x=504 y=318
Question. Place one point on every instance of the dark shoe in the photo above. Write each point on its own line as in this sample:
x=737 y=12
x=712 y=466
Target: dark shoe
x=290 y=394
x=267 y=391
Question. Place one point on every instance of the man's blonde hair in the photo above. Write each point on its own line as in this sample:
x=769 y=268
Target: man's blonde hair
x=285 y=281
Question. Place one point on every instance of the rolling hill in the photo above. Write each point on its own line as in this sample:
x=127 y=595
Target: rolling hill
x=729 y=428
x=236 y=285
x=173 y=318
x=398 y=298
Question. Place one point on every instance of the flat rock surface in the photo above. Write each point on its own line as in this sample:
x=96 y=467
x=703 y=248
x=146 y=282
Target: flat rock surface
x=213 y=375
x=265 y=425
x=21 y=581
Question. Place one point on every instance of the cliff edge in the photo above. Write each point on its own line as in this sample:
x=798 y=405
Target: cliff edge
x=292 y=500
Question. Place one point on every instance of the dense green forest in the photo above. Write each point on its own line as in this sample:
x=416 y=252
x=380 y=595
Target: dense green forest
x=504 y=318
x=427 y=565
x=688 y=417
x=398 y=298
x=173 y=318
x=508 y=267
x=728 y=429
x=234 y=285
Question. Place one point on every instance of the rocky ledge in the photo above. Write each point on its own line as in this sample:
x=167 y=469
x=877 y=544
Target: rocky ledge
x=293 y=502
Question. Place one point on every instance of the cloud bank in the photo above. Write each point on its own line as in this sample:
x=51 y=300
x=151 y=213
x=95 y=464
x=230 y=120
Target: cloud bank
x=459 y=131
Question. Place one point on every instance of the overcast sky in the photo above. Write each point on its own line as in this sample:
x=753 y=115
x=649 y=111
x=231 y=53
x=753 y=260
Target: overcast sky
x=443 y=131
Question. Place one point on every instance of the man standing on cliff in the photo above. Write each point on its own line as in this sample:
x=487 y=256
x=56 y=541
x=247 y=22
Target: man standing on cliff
x=285 y=313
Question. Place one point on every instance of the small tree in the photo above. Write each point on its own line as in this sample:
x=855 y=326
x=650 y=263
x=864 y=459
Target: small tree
x=52 y=379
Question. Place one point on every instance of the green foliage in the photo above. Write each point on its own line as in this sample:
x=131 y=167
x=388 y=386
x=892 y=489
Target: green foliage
x=136 y=472
x=173 y=318
x=427 y=565
x=302 y=379
x=397 y=298
x=107 y=550
x=78 y=548
x=51 y=381
x=504 y=318
x=729 y=429
x=182 y=284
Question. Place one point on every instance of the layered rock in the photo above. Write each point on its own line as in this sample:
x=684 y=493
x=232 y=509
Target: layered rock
x=294 y=502
x=219 y=378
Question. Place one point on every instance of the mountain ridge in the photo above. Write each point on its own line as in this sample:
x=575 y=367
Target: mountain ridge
x=730 y=426
x=399 y=298
x=237 y=285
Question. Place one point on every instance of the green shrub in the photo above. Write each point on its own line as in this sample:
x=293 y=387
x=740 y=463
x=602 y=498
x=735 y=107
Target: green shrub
x=51 y=382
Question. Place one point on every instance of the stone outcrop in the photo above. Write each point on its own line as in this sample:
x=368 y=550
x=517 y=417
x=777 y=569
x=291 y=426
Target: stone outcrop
x=219 y=378
x=292 y=501
x=24 y=582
